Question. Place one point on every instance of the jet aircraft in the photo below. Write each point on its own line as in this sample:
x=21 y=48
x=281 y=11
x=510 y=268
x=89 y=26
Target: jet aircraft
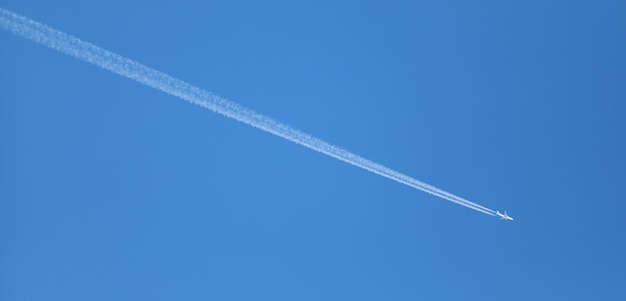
x=504 y=216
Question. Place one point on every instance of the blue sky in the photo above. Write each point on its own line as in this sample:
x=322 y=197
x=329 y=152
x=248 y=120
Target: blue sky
x=112 y=190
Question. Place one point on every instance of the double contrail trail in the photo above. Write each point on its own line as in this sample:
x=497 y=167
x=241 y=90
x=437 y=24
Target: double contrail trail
x=95 y=55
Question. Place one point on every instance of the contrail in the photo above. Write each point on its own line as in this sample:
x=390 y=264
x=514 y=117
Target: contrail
x=95 y=55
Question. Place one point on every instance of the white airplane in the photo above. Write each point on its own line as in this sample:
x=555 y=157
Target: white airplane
x=504 y=216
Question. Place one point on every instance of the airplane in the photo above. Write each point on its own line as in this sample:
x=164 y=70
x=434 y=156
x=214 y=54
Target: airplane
x=504 y=216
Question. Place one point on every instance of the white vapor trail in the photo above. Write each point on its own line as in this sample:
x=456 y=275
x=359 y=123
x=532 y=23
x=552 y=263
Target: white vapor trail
x=95 y=55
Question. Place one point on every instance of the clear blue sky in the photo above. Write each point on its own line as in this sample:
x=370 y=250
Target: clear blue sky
x=110 y=190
